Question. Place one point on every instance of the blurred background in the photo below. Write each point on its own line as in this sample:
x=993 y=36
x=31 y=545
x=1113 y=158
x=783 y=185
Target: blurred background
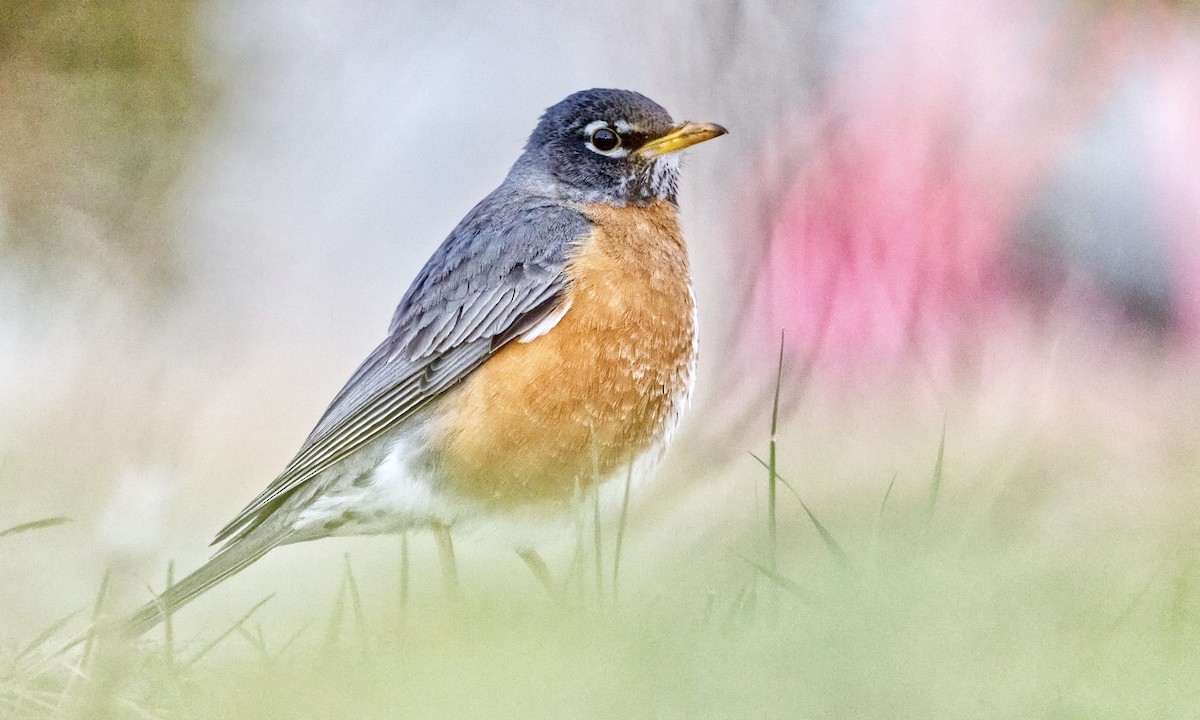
x=982 y=217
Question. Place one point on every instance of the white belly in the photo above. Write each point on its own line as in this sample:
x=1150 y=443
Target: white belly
x=403 y=493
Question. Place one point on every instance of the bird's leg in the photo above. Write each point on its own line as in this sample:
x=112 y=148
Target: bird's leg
x=537 y=566
x=441 y=533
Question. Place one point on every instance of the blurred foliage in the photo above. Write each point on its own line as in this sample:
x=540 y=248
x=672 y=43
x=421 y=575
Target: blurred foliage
x=951 y=610
x=97 y=101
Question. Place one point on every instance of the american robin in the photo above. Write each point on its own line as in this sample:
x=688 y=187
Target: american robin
x=548 y=343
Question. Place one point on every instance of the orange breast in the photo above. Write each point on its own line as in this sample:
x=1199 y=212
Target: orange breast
x=607 y=382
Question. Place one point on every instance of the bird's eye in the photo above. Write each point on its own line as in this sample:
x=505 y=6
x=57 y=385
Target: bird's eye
x=605 y=139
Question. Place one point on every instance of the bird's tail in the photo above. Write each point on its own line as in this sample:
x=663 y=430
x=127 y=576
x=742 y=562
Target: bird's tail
x=233 y=558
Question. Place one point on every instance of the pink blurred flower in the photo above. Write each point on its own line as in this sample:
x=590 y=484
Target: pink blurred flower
x=889 y=225
x=1173 y=128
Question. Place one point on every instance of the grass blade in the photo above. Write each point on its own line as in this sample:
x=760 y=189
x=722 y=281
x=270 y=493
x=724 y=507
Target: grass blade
x=877 y=530
x=735 y=606
x=295 y=636
x=787 y=585
x=333 y=631
x=97 y=611
x=256 y=640
x=886 y=494
x=360 y=618
x=935 y=483
x=404 y=571
x=831 y=544
x=43 y=636
x=578 y=565
x=778 y=385
x=34 y=525
x=772 y=475
x=168 y=622
x=597 y=539
x=827 y=538
x=229 y=631
x=621 y=532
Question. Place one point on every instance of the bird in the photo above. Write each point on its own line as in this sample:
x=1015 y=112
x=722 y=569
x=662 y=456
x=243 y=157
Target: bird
x=547 y=345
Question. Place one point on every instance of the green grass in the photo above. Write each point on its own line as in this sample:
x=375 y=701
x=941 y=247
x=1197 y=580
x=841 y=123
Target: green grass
x=900 y=617
x=918 y=598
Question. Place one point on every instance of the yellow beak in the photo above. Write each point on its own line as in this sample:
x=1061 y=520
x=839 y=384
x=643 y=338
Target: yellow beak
x=684 y=136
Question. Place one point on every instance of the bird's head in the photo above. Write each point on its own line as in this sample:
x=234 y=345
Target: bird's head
x=613 y=146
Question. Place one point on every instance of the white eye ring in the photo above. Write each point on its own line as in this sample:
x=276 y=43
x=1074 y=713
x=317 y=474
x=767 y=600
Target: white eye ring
x=589 y=132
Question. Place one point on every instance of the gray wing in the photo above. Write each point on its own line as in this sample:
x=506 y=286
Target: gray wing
x=496 y=276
